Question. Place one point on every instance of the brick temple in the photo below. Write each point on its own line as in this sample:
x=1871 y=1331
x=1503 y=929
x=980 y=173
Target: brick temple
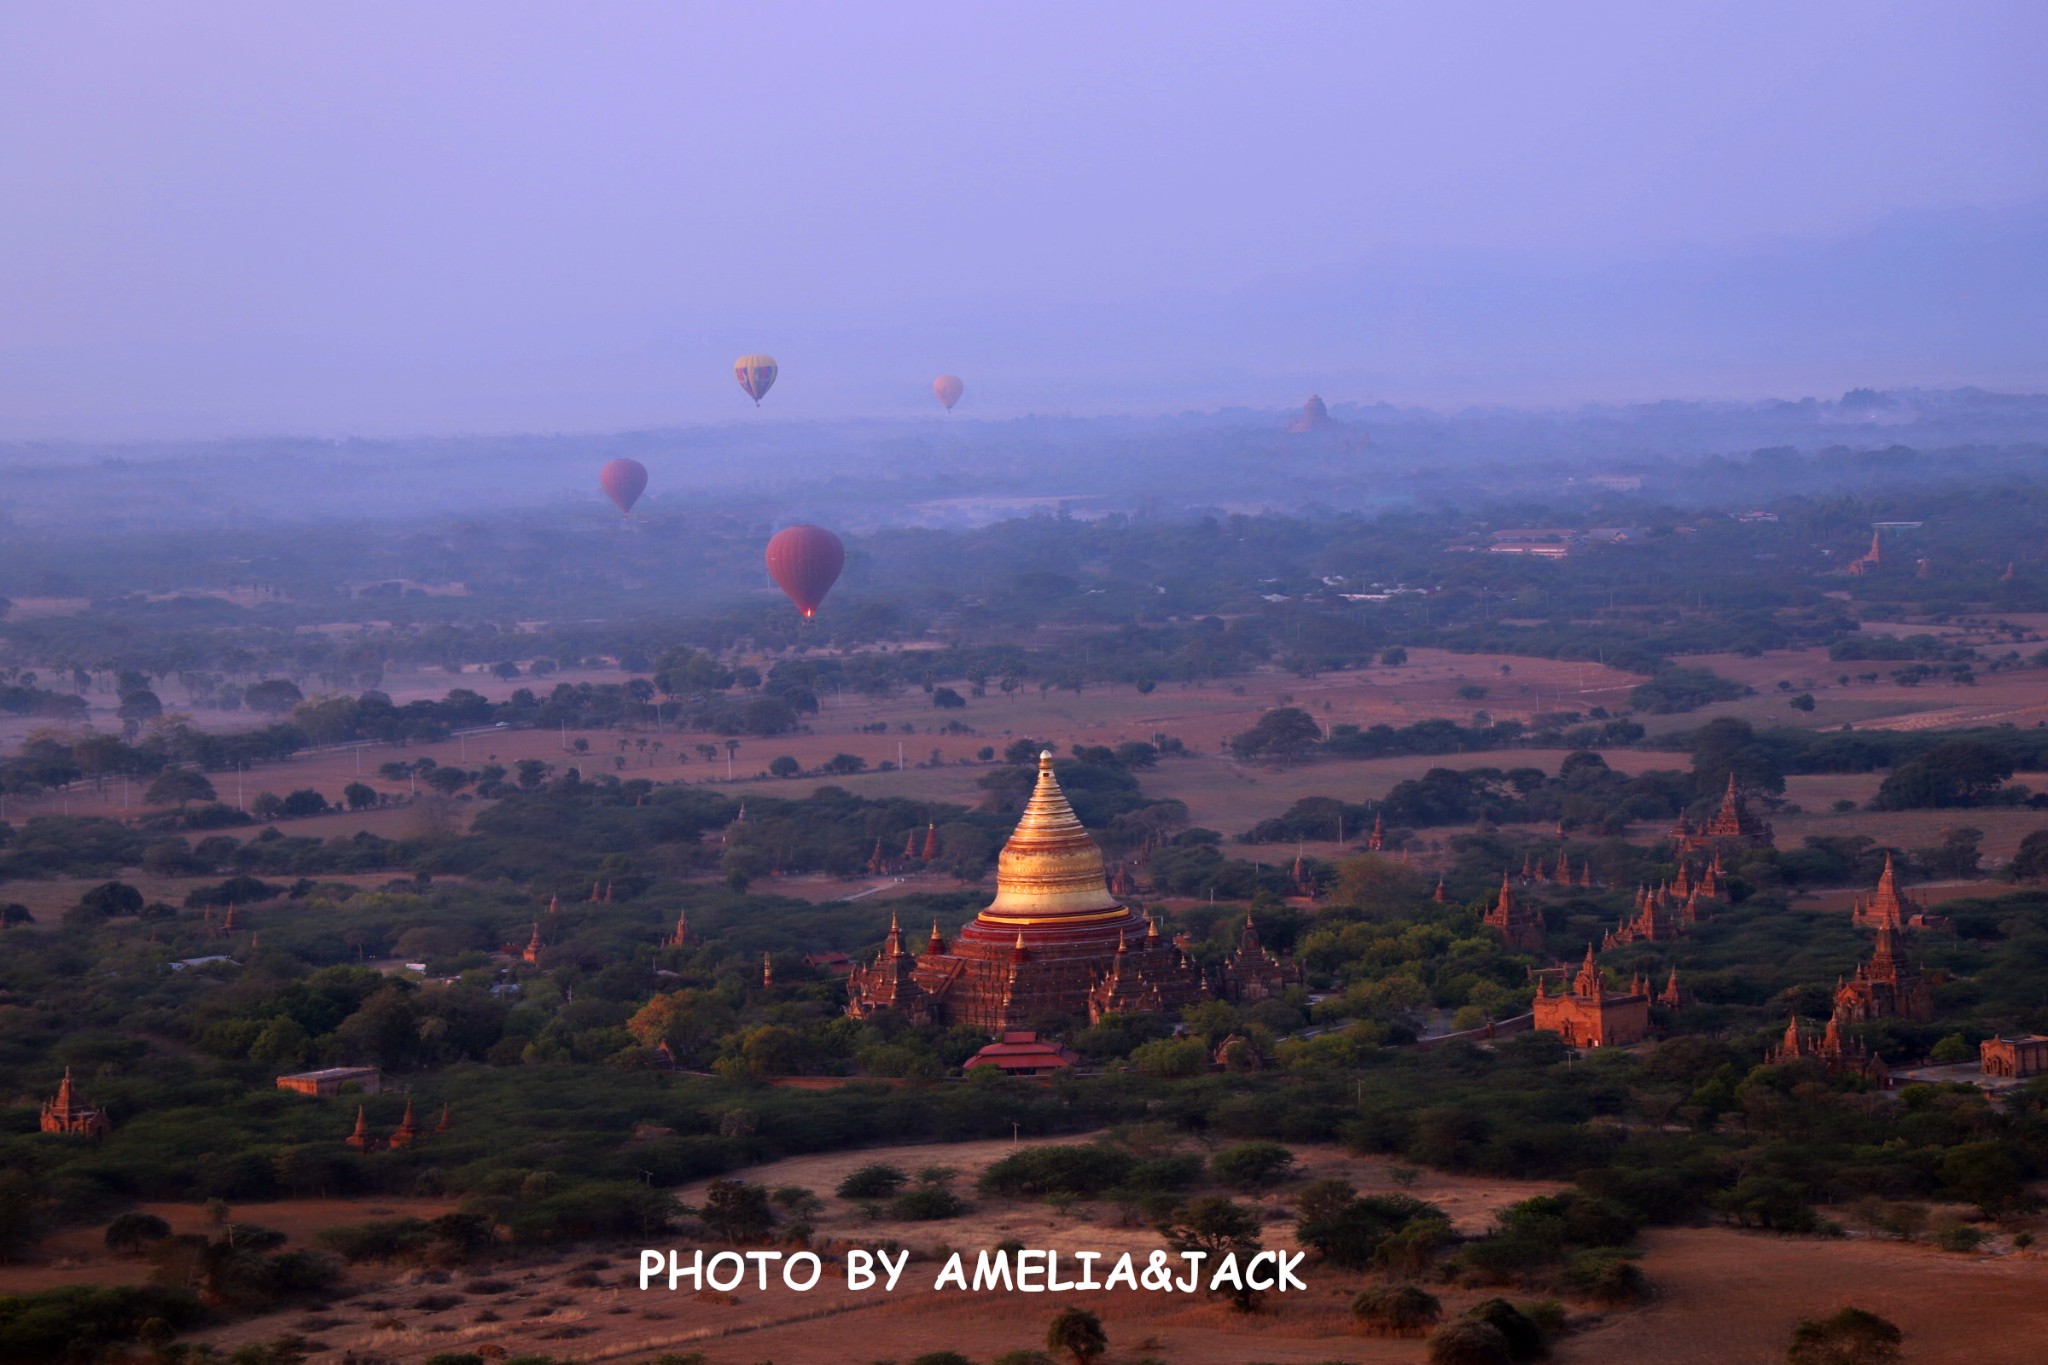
x=1055 y=943
x=1733 y=823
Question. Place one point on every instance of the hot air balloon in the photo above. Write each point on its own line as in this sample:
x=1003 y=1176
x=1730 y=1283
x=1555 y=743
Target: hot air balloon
x=806 y=561
x=947 y=388
x=756 y=374
x=623 y=482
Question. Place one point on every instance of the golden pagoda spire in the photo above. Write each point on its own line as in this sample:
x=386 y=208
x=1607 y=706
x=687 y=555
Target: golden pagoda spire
x=1050 y=871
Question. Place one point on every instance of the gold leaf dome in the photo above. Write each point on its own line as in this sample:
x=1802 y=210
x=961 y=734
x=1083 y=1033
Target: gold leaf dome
x=1050 y=871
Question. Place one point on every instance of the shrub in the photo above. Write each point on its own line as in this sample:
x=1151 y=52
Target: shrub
x=1607 y=1276
x=1523 y=1337
x=928 y=1203
x=1952 y=1049
x=1850 y=1337
x=1468 y=1342
x=1252 y=1165
x=135 y=1232
x=1959 y=1237
x=873 y=1182
x=1397 y=1310
x=1085 y=1170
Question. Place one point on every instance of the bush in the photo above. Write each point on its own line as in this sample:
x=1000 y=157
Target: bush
x=132 y=1232
x=1468 y=1342
x=873 y=1182
x=1959 y=1237
x=107 y=900
x=1397 y=1310
x=1850 y=1337
x=1523 y=1337
x=1607 y=1277
x=80 y=1322
x=1035 y=1172
x=1252 y=1165
x=1952 y=1049
x=928 y=1203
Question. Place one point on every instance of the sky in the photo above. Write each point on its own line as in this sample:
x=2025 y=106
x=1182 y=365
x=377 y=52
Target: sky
x=419 y=217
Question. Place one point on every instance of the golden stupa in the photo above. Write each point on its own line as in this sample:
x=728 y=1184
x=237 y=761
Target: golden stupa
x=1054 y=945
x=1050 y=871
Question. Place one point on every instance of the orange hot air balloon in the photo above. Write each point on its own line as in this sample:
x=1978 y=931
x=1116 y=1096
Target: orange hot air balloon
x=623 y=482
x=756 y=374
x=947 y=388
x=806 y=561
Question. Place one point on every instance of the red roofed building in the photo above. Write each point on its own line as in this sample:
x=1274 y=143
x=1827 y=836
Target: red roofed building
x=1024 y=1054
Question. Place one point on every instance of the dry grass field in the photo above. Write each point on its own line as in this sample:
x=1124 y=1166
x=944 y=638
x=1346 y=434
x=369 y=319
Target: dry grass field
x=1723 y=1297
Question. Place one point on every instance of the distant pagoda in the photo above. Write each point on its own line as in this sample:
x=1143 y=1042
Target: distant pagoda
x=1520 y=926
x=1734 y=822
x=1055 y=942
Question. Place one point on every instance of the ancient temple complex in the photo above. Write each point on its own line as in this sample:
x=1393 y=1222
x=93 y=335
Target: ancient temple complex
x=1590 y=1015
x=1660 y=916
x=1889 y=986
x=1888 y=905
x=1833 y=1049
x=69 y=1113
x=1734 y=822
x=1054 y=943
x=1520 y=925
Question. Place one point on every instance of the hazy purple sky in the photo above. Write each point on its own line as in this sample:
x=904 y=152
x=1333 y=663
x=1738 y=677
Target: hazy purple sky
x=496 y=216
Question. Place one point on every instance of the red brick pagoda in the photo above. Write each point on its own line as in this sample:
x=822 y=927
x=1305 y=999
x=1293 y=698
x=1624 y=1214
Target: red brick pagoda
x=68 y=1113
x=1055 y=943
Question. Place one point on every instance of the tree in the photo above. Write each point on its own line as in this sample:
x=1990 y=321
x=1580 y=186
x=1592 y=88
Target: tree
x=946 y=699
x=1252 y=1165
x=1960 y=773
x=784 y=766
x=1168 y=1058
x=878 y=1181
x=178 y=786
x=736 y=1211
x=1219 y=1227
x=140 y=705
x=1079 y=1333
x=1951 y=1050
x=134 y=1232
x=1284 y=734
x=273 y=696
x=266 y=805
x=1397 y=1310
x=2030 y=863
x=1985 y=1173
x=359 y=795
x=1850 y=1337
x=305 y=801
x=13 y=913
x=108 y=900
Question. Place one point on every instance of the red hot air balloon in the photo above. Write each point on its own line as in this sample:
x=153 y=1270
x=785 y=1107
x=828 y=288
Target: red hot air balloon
x=806 y=561
x=947 y=388
x=623 y=482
